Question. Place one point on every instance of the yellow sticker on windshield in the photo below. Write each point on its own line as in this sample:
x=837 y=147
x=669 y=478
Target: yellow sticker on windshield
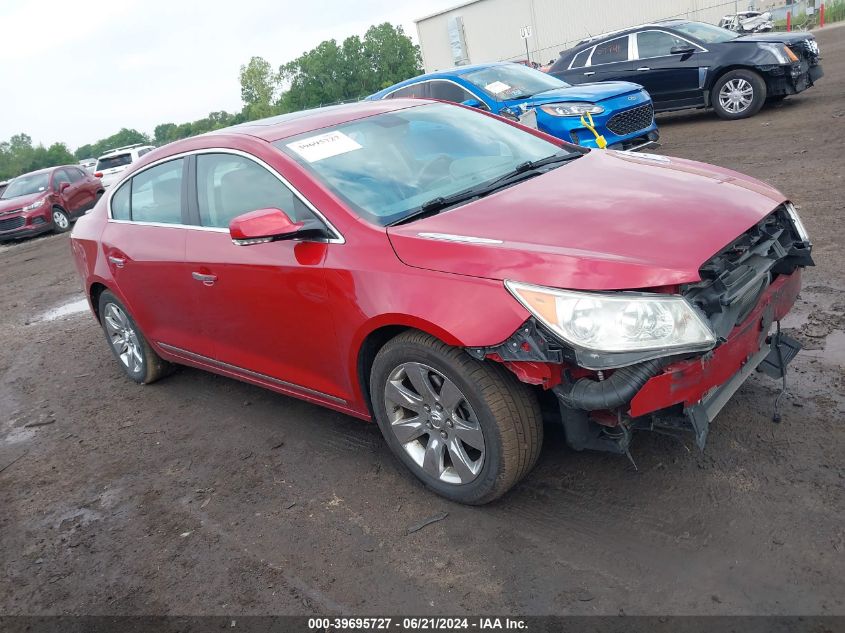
x=322 y=146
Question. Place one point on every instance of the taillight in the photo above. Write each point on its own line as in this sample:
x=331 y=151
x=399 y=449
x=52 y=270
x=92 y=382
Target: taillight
x=98 y=174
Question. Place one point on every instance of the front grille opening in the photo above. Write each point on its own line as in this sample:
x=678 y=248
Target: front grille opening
x=632 y=120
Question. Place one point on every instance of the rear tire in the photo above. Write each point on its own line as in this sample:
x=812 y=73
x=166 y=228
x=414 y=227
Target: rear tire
x=469 y=430
x=61 y=220
x=738 y=94
x=128 y=345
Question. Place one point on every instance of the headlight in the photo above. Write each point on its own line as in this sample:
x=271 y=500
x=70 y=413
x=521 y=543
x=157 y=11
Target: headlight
x=649 y=325
x=782 y=52
x=571 y=109
x=34 y=205
x=797 y=223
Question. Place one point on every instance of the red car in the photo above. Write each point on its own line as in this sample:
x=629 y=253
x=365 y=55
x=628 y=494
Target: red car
x=46 y=200
x=444 y=272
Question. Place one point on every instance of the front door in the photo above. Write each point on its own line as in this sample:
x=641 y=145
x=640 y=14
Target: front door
x=264 y=307
x=672 y=80
x=608 y=62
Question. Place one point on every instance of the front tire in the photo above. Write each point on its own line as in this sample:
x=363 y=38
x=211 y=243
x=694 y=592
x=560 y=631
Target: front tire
x=61 y=220
x=128 y=345
x=467 y=429
x=738 y=94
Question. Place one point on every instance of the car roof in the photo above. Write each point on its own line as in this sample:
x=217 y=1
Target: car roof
x=44 y=170
x=446 y=73
x=591 y=41
x=291 y=124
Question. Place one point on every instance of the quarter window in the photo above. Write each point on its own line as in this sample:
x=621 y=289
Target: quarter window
x=229 y=185
x=656 y=44
x=414 y=91
x=581 y=58
x=120 y=202
x=615 y=50
x=157 y=194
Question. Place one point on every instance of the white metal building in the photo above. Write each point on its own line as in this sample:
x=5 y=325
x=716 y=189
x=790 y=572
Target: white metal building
x=490 y=30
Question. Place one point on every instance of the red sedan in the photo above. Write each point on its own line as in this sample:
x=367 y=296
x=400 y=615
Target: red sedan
x=444 y=272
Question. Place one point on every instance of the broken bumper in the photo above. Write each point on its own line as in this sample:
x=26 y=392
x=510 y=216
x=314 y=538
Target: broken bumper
x=792 y=79
x=703 y=385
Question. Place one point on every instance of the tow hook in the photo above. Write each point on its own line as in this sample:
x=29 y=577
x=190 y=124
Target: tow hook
x=587 y=122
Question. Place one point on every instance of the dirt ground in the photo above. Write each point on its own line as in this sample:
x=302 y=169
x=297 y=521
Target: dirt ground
x=203 y=495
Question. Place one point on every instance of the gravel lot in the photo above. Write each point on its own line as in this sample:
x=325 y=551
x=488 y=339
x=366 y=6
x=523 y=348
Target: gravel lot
x=202 y=495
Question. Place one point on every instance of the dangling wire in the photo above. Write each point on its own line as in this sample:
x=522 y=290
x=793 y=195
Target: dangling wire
x=776 y=414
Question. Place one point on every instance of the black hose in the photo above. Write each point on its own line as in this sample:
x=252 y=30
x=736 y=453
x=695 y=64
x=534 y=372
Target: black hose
x=592 y=395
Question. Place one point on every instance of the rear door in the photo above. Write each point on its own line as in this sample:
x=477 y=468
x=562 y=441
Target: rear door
x=69 y=192
x=82 y=189
x=144 y=245
x=672 y=80
x=608 y=61
x=265 y=308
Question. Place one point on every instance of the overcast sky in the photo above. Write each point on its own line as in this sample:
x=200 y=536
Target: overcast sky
x=79 y=71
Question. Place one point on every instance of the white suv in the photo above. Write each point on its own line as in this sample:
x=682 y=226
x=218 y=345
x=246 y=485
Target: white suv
x=114 y=161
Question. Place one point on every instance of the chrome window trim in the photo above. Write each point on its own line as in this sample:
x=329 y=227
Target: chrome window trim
x=428 y=81
x=217 y=150
x=589 y=52
x=635 y=47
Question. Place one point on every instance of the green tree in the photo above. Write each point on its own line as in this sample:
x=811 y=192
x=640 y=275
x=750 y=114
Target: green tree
x=391 y=55
x=18 y=156
x=258 y=82
x=124 y=137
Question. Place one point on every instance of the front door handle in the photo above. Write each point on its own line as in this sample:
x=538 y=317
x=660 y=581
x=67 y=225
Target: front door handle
x=117 y=261
x=643 y=68
x=590 y=74
x=207 y=280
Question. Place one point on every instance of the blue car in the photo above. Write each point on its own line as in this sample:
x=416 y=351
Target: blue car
x=621 y=112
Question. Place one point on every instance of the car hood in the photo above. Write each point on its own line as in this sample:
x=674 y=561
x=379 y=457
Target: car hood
x=592 y=92
x=784 y=38
x=606 y=221
x=14 y=204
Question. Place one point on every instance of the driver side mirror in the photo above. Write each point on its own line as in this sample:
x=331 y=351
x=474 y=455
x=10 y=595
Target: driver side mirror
x=473 y=103
x=270 y=225
x=63 y=186
x=685 y=49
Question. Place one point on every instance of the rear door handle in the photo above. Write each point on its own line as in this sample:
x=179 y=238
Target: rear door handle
x=207 y=280
x=117 y=261
x=590 y=74
x=643 y=68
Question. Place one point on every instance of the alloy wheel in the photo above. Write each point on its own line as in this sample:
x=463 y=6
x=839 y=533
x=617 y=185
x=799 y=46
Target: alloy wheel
x=434 y=423
x=60 y=219
x=123 y=338
x=736 y=95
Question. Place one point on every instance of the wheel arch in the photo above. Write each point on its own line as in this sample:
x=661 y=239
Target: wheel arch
x=715 y=77
x=378 y=332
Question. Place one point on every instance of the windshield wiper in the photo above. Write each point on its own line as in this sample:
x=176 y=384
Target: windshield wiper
x=520 y=172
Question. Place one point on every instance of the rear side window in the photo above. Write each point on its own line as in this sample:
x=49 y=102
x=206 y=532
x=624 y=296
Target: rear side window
x=75 y=174
x=615 y=50
x=581 y=58
x=416 y=91
x=157 y=194
x=229 y=185
x=59 y=177
x=120 y=202
x=110 y=162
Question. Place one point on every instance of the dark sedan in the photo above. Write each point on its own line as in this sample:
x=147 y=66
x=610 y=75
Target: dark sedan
x=687 y=64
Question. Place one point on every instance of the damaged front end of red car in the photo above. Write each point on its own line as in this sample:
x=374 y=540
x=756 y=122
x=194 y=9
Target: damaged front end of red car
x=743 y=293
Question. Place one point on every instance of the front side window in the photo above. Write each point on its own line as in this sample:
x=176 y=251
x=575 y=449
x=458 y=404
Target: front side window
x=60 y=176
x=512 y=81
x=447 y=91
x=615 y=50
x=386 y=166
x=157 y=194
x=229 y=185
x=657 y=44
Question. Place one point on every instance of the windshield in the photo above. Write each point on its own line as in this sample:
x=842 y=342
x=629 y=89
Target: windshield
x=513 y=81
x=706 y=32
x=26 y=185
x=385 y=167
x=110 y=162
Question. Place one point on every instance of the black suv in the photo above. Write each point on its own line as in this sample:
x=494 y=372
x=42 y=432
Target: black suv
x=687 y=64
